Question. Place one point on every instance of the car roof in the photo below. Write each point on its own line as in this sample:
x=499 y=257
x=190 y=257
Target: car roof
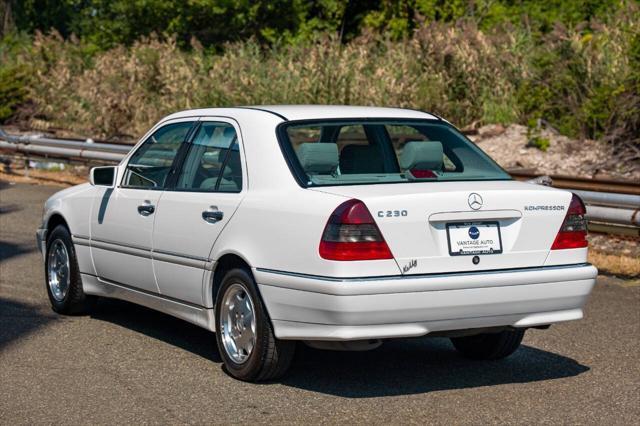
x=313 y=112
x=310 y=112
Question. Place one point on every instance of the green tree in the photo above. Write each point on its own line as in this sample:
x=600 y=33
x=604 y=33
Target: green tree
x=44 y=15
x=213 y=22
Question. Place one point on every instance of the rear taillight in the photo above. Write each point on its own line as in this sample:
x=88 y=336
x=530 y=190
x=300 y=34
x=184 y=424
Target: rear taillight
x=573 y=232
x=352 y=234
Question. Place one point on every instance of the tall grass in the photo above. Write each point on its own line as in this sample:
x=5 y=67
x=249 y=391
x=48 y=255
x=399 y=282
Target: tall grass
x=583 y=83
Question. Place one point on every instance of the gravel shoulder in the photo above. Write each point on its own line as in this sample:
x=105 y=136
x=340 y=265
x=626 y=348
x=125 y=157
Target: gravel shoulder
x=564 y=156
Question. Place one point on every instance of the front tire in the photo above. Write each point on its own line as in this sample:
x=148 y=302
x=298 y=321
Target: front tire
x=249 y=349
x=62 y=275
x=489 y=346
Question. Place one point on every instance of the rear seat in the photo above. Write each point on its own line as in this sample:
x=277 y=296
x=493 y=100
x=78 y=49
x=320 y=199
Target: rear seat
x=357 y=159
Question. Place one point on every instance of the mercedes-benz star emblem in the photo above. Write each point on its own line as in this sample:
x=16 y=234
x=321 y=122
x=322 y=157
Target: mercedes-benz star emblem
x=475 y=201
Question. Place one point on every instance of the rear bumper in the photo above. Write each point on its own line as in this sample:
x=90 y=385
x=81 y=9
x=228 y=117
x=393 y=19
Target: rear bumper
x=304 y=307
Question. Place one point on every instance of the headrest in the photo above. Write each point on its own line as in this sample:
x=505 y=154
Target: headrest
x=421 y=155
x=318 y=158
x=210 y=159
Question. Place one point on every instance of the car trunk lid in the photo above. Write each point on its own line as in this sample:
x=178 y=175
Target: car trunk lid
x=426 y=224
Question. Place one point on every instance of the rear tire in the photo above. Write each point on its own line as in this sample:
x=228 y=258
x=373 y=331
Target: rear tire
x=489 y=346
x=62 y=275
x=247 y=345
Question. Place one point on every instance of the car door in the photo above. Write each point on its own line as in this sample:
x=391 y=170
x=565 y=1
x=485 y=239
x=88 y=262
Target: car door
x=195 y=208
x=122 y=218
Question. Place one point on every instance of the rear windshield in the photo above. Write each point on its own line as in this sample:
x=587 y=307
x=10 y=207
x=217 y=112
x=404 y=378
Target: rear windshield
x=368 y=152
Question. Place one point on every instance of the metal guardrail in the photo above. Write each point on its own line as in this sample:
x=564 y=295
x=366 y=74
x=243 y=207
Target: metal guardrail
x=583 y=184
x=609 y=202
x=609 y=199
x=62 y=148
x=613 y=215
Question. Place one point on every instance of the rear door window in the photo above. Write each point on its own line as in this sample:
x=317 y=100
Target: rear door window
x=212 y=163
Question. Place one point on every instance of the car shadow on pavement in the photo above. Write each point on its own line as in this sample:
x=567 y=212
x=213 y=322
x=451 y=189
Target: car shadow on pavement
x=422 y=365
x=8 y=250
x=159 y=326
x=9 y=208
x=18 y=319
x=398 y=367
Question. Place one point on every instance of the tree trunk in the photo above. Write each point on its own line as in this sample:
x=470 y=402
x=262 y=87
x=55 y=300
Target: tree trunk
x=6 y=22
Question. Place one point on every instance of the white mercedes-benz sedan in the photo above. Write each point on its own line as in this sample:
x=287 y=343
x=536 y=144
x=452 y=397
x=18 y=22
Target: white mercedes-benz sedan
x=337 y=226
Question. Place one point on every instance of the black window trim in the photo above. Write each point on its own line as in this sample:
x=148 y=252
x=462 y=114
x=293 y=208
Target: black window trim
x=300 y=176
x=224 y=165
x=176 y=167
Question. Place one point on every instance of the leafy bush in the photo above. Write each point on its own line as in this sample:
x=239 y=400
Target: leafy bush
x=14 y=76
x=585 y=83
x=12 y=90
x=443 y=68
x=539 y=142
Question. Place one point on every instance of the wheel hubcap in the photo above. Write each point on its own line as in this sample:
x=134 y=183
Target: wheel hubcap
x=238 y=323
x=58 y=270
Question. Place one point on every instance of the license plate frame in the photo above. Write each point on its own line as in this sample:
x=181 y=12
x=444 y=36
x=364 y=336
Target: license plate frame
x=467 y=226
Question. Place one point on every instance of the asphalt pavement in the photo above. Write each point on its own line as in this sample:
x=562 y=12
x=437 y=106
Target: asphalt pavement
x=127 y=364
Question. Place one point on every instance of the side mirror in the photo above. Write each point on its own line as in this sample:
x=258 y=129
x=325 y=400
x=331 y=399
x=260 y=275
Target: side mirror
x=103 y=176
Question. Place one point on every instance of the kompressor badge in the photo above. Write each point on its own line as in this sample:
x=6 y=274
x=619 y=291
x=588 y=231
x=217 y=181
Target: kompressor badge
x=543 y=208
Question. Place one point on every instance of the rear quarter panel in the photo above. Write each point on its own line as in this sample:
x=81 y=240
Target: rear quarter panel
x=281 y=230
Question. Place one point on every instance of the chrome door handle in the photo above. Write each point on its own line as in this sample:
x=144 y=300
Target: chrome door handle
x=146 y=209
x=212 y=215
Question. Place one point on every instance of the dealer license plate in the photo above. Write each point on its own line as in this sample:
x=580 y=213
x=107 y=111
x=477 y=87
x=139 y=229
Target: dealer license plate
x=469 y=238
